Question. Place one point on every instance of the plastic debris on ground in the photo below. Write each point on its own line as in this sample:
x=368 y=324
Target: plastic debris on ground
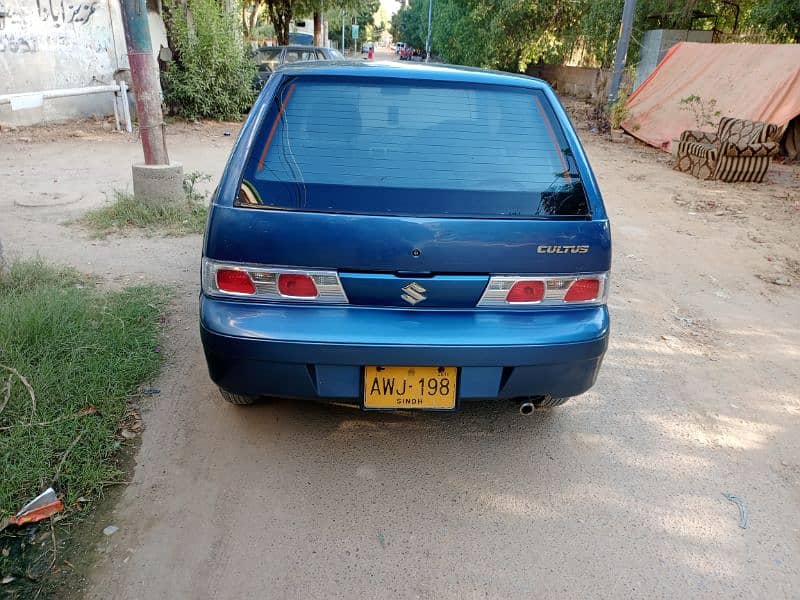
x=733 y=499
x=43 y=506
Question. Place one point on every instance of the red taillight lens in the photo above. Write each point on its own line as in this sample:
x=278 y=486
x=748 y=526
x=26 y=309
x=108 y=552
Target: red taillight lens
x=297 y=286
x=235 y=281
x=583 y=290
x=526 y=291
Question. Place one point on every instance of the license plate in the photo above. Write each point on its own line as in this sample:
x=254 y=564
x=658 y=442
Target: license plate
x=410 y=387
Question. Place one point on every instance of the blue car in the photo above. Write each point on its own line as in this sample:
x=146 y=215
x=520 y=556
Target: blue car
x=473 y=267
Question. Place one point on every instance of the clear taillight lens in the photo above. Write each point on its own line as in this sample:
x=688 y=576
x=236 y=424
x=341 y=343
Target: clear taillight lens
x=269 y=283
x=521 y=291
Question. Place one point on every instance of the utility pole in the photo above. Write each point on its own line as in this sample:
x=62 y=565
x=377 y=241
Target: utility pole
x=622 y=48
x=342 y=31
x=428 y=39
x=156 y=181
x=146 y=84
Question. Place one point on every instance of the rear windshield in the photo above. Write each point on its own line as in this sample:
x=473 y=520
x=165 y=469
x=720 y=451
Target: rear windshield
x=389 y=147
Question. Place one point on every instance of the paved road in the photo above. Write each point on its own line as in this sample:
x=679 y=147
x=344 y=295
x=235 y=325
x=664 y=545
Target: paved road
x=616 y=495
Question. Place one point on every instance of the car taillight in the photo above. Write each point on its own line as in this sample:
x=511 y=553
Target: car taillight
x=524 y=291
x=271 y=283
x=295 y=285
x=234 y=281
x=583 y=290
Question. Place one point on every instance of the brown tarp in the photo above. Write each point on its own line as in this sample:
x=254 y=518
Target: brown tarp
x=759 y=82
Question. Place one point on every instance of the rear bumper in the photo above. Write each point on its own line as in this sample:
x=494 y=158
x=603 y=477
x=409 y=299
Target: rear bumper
x=319 y=352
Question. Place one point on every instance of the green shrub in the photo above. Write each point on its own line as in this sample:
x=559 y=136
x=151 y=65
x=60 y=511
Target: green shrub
x=212 y=74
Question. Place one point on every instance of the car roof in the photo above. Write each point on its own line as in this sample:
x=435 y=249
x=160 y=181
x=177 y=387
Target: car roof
x=416 y=72
x=291 y=47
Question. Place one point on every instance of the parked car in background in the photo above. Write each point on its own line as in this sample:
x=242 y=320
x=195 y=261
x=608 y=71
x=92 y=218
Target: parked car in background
x=399 y=46
x=366 y=46
x=268 y=58
x=299 y=38
x=477 y=270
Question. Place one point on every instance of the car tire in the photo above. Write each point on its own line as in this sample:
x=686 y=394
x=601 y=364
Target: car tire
x=549 y=402
x=239 y=399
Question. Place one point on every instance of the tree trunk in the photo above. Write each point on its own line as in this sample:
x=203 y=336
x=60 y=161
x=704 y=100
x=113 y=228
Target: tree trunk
x=256 y=10
x=318 y=28
x=280 y=15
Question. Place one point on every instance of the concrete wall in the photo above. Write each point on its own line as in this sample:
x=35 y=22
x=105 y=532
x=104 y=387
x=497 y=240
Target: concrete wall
x=655 y=44
x=53 y=44
x=582 y=82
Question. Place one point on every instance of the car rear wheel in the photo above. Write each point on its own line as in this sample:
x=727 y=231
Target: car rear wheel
x=548 y=402
x=237 y=398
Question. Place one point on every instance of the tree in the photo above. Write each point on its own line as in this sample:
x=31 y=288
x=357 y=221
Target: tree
x=211 y=75
x=780 y=19
x=251 y=11
x=362 y=10
x=280 y=14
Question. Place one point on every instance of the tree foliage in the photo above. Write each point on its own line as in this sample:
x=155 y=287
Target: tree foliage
x=510 y=34
x=362 y=10
x=281 y=12
x=779 y=18
x=211 y=75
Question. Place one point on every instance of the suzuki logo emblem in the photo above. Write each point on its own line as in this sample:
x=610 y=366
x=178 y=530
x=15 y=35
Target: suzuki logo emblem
x=414 y=293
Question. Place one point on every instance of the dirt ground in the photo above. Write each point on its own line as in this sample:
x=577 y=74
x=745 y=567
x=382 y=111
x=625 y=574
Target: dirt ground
x=617 y=494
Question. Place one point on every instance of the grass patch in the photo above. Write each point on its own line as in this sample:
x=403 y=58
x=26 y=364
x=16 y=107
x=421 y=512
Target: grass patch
x=125 y=212
x=84 y=352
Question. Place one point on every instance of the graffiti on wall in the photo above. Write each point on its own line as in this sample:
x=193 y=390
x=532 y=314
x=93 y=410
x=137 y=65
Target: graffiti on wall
x=12 y=43
x=60 y=12
x=30 y=25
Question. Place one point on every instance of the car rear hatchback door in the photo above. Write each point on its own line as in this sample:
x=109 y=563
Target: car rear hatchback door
x=417 y=193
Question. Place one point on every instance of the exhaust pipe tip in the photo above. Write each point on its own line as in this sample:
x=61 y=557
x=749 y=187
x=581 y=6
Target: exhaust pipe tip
x=526 y=408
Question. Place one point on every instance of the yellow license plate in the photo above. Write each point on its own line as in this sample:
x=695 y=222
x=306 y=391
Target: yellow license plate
x=410 y=387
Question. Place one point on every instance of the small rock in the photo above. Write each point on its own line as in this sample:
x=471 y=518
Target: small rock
x=25 y=140
x=719 y=213
x=776 y=279
x=110 y=530
x=226 y=133
x=6 y=552
x=127 y=434
x=79 y=133
x=7 y=579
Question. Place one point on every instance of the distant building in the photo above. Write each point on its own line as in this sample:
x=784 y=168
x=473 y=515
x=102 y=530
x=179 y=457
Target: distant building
x=301 y=28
